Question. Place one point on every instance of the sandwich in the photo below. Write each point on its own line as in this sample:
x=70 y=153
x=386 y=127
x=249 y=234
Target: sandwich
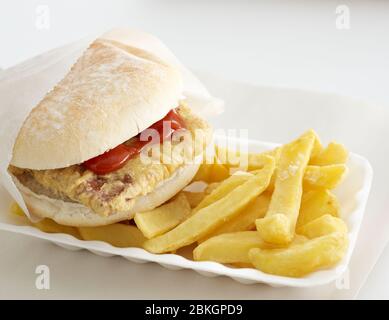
x=77 y=158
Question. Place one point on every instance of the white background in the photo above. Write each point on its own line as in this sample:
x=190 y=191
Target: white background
x=282 y=43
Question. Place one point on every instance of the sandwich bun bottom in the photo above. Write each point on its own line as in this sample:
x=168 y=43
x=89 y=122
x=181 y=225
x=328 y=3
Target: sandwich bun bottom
x=78 y=215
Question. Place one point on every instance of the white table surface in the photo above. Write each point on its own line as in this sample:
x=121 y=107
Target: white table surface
x=291 y=43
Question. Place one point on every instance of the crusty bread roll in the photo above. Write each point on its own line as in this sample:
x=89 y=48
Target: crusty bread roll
x=111 y=94
x=78 y=215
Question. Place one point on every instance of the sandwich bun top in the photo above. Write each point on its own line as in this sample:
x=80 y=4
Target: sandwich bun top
x=112 y=93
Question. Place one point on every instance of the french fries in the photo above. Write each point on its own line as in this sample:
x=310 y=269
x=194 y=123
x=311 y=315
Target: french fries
x=210 y=217
x=234 y=247
x=320 y=177
x=326 y=245
x=321 y=226
x=118 y=234
x=245 y=220
x=50 y=226
x=203 y=173
x=229 y=247
x=324 y=177
x=317 y=145
x=316 y=149
x=222 y=189
x=164 y=218
x=249 y=161
x=219 y=172
x=255 y=160
x=335 y=153
x=315 y=204
x=301 y=259
x=16 y=210
x=278 y=225
x=209 y=173
x=194 y=198
x=211 y=187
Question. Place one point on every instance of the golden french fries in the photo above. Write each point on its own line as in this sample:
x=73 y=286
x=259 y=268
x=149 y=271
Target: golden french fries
x=211 y=187
x=301 y=259
x=245 y=220
x=118 y=234
x=214 y=172
x=316 y=149
x=219 y=172
x=315 y=204
x=229 y=247
x=278 y=226
x=335 y=153
x=203 y=173
x=233 y=248
x=326 y=245
x=16 y=210
x=320 y=177
x=242 y=265
x=325 y=177
x=222 y=189
x=210 y=217
x=317 y=145
x=194 y=198
x=164 y=218
x=249 y=161
x=321 y=226
x=219 y=190
x=50 y=226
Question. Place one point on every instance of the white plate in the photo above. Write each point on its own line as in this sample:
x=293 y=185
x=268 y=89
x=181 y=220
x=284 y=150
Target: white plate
x=352 y=194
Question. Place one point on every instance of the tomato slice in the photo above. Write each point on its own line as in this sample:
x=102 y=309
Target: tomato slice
x=111 y=160
x=116 y=158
